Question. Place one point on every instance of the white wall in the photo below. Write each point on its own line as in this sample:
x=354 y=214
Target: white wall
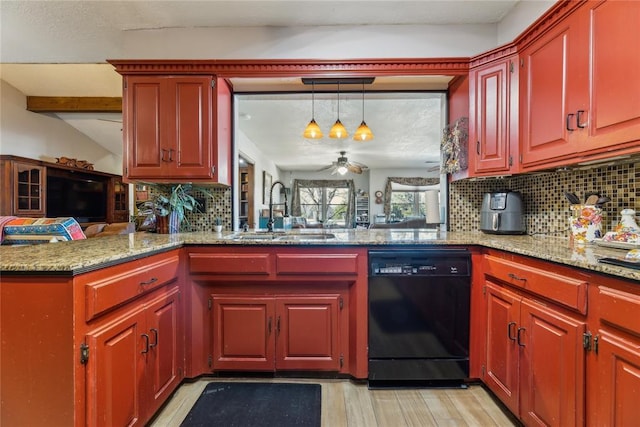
x=327 y=42
x=520 y=17
x=247 y=149
x=44 y=137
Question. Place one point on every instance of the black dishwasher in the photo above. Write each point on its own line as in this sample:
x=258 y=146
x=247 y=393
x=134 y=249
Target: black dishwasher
x=419 y=303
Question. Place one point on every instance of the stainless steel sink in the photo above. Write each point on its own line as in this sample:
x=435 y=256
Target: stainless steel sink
x=293 y=237
x=257 y=236
x=307 y=237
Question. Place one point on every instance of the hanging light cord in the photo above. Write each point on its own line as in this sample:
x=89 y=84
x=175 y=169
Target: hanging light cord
x=338 y=100
x=363 y=102
x=313 y=100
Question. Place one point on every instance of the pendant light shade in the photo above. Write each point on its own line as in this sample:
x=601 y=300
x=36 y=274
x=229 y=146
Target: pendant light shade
x=363 y=133
x=338 y=131
x=312 y=131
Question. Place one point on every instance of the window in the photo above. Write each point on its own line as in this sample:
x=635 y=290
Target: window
x=407 y=204
x=324 y=202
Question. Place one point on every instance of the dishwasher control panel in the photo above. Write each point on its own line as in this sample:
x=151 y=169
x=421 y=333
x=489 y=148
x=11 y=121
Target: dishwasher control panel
x=419 y=263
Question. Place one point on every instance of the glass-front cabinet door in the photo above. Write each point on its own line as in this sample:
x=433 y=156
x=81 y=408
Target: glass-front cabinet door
x=29 y=189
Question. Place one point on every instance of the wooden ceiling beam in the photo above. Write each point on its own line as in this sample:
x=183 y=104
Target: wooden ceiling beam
x=74 y=104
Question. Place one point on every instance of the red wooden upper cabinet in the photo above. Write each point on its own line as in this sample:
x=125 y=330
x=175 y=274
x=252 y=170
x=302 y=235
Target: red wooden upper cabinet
x=577 y=87
x=493 y=126
x=613 y=84
x=550 y=75
x=177 y=128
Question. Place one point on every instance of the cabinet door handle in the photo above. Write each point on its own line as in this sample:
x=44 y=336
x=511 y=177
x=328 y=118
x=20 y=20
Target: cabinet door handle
x=509 y=325
x=278 y=326
x=579 y=119
x=150 y=281
x=569 y=117
x=514 y=277
x=478 y=147
x=162 y=157
x=146 y=344
x=171 y=150
x=269 y=326
x=520 y=336
x=155 y=337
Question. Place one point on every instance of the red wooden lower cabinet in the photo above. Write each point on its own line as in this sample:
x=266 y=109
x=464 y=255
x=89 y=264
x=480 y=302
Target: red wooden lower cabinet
x=281 y=332
x=135 y=363
x=267 y=308
x=615 y=355
x=535 y=362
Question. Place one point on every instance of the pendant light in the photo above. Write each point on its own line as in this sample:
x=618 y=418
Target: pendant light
x=338 y=130
x=312 y=131
x=363 y=133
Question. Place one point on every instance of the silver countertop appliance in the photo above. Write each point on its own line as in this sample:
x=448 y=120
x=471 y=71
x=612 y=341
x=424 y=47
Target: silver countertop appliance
x=501 y=213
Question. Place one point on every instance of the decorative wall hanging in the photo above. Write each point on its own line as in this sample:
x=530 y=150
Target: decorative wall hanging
x=455 y=150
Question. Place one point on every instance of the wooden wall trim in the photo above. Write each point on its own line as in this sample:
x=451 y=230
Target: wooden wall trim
x=296 y=68
x=70 y=104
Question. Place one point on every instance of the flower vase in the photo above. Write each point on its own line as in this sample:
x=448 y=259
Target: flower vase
x=174 y=223
x=217 y=228
x=162 y=224
x=586 y=223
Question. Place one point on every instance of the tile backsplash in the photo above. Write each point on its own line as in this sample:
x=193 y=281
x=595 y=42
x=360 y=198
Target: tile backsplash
x=546 y=208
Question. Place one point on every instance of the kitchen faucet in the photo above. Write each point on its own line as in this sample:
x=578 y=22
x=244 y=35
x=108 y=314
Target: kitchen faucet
x=286 y=211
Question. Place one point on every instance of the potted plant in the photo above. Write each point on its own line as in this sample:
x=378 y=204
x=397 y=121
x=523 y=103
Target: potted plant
x=169 y=203
x=217 y=224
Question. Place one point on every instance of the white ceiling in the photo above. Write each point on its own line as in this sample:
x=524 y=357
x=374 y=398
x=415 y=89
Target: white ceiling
x=58 y=48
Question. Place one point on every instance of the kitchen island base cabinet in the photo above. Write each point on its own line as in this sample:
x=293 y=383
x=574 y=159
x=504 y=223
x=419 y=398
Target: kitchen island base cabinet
x=136 y=364
x=276 y=333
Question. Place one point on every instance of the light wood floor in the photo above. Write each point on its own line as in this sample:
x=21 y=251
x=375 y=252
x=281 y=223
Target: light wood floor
x=349 y=404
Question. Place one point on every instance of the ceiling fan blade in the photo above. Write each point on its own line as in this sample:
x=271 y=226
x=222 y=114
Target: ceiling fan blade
x=354 y=168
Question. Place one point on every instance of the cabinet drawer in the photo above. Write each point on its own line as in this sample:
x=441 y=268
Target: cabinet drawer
x=564 y=290
x=619 y=308
x=124 y=284
x=317 y=264
x=231 y=263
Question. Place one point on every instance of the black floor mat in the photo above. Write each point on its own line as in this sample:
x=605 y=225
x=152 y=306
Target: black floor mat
x=231 y=404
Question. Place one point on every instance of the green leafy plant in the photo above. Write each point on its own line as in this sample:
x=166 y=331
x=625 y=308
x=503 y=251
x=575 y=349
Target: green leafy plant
x=178 y=198
x=217 y=221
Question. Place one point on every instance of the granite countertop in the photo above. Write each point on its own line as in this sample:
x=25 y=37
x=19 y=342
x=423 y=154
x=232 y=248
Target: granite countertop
x=68 y=258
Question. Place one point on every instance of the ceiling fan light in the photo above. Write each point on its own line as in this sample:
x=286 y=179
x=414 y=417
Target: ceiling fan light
x=338 y=131
x=312 y=131
x=342 y=169
x=363 y=133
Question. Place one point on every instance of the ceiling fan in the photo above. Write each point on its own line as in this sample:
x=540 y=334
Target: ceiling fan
x=343 y=165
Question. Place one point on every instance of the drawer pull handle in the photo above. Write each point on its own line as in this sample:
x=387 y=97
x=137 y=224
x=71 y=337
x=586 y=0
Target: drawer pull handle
x=514 y=277
x=150 y=281
x=569 y=117
x=579 y=119
x=155 y=337
x=146 y=344
x=509 y=325
x=520 y=337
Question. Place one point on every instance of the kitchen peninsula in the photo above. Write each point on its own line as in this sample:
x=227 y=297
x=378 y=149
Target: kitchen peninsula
x=126 y=318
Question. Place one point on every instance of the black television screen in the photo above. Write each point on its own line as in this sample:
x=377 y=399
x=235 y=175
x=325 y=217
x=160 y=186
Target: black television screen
x=76 y=195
